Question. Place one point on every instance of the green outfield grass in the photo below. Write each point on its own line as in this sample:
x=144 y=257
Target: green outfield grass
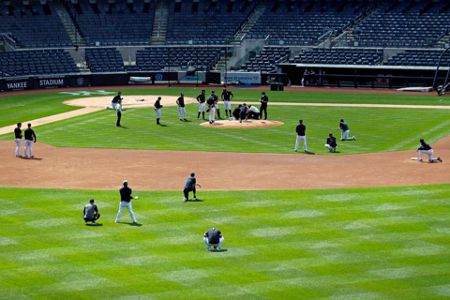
x=23 y=108
x=384 y=243
x=376 y=130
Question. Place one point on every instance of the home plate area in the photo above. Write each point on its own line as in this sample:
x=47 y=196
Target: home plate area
x=243 y=124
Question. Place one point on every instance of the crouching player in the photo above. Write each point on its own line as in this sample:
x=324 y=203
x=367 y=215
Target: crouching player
x=214 y=238
x=331 y=143
x=90 y=212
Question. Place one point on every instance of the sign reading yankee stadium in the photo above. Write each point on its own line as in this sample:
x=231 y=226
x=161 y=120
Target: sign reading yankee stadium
x=52 y=82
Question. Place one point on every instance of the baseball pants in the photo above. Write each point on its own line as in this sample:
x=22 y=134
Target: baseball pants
x=122 y=205
x=18 y=146
x=201 y=107
x=206 y=240
x=158 y=113
x=429 y=153
x=212 y=114
x=227 y=105
x=332 y=149
x=345 y=135
x=301 y=138
x=116 y=106
x=186 y=193
x=182 y=112
x=28 y=148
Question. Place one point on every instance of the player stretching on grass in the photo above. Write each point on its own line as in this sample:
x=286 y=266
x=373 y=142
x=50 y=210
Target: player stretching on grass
x=189 y=186
x=125 y=201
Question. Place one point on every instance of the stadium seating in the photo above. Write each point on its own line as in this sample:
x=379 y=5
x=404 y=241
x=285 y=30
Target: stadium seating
x=36 y=62
x=104 y=60
x=210 y=22
x=267 y=60
x=114 y=24
x=343 y=56
x=33 y=26
x=419 y=58
x=294 y=24
x=158 y=58
x=406 y=24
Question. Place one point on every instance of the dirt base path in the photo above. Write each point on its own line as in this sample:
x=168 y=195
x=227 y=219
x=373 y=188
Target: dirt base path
x=166 y=170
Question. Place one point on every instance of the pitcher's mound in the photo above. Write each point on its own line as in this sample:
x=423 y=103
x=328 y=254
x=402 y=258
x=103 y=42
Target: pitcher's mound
x=244 y=124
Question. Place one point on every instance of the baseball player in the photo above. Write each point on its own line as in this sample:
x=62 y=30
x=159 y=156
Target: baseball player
x=18 y=138
x=252 y=113
x=90 y=212
x=243 y=112
x=119 y=117
x=201 y=99
x=427 y=150
x=211 y=109
x=189 y=186
x=116 y=102
x=226 y=98
x=345 y=131
x=30 y=138
x=216 y=103
x=158 y=108
x=181 y=108
x=331 y=144
x=125 y=201
x=301 y=136
x=213 y=237
x=263 y=109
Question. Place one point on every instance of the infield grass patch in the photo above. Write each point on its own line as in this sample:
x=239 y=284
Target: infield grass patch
x=384 y=243
x=376 y=129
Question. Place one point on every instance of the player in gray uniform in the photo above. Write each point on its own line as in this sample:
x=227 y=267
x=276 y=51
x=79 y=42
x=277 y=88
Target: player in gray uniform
x=18 y=138
x=90 y=212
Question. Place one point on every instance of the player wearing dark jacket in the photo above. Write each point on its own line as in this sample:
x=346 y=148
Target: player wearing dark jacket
x=263 y=110
x=18 y=138
x=426 y=149
x=190 y=186
x=301 y=136
x=331 y=143
x=30 y=138
x=213 y=237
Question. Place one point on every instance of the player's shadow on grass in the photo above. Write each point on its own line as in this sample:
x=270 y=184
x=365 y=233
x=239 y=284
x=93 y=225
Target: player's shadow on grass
x=123 y=127
x=221 y=250
x=162 y=125
x=94 y=225
x=131 y=224
x=309 y=152
x=194 y=200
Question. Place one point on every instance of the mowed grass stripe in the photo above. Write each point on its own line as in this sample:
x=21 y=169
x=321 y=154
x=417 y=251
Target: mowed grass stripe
x=382 y=243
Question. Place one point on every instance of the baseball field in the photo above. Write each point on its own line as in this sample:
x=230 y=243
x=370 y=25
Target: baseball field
x=367 y=222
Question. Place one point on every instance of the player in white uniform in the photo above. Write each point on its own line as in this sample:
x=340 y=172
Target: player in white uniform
x=211 y=109
x=158 y=108
x=181 y=108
